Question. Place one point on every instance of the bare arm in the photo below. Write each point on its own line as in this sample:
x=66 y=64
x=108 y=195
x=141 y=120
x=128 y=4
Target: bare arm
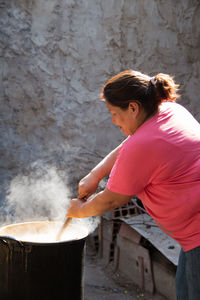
x=102 y=202
x=89 y=184
x=105 y=166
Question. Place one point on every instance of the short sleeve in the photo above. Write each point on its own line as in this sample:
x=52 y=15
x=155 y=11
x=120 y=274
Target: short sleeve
x=133 y=170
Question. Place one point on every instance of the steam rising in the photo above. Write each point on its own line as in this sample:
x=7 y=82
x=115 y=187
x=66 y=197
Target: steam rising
x=41 y=195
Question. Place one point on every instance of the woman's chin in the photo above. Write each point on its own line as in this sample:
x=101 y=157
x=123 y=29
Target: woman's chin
x=125 y=132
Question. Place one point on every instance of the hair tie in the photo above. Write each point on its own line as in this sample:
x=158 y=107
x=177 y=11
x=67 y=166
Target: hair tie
x=153 y=80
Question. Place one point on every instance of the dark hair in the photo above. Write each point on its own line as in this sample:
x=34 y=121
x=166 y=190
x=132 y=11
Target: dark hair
x=129 y=86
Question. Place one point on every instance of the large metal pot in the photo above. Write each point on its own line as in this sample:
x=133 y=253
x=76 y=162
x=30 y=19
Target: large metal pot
x=43 y=269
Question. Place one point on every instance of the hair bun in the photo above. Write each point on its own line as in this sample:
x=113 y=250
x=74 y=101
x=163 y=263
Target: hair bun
x=165 y=88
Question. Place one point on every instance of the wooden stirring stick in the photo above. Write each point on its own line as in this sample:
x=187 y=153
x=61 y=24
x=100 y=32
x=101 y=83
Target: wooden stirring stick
x=66 y=223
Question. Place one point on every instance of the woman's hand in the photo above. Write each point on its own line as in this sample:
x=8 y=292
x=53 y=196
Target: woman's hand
x=74 y=209
x=88 y=186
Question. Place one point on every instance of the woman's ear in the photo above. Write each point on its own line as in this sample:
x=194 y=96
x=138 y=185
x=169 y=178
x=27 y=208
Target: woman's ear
x=134 y=106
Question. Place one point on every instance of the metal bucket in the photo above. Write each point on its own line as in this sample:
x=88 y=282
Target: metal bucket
x=36 y=270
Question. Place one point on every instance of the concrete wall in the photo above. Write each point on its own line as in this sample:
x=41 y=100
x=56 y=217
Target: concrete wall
x=54 y=58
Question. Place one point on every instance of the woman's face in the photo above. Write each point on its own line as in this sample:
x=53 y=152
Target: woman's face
x=126 y=120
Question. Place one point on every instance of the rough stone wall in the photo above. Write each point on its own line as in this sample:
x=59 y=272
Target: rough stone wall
x=54 y=58
x=164 y=36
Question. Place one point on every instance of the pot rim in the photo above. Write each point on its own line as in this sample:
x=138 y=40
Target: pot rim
x=9 y=238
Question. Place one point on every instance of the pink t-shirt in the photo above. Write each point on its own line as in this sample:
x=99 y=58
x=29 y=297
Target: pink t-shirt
x=160 y=163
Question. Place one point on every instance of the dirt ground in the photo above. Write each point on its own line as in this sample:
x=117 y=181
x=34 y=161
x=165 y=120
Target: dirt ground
x=100 y=283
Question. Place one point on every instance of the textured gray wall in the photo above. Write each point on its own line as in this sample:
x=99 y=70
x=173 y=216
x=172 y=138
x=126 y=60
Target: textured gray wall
x=54 y=58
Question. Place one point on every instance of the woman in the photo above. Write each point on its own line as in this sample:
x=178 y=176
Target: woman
x=159 y=162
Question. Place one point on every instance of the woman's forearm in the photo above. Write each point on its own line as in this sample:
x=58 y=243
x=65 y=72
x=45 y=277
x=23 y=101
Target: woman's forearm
x=99 y=204
x=89 y=184
x=105 y=166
